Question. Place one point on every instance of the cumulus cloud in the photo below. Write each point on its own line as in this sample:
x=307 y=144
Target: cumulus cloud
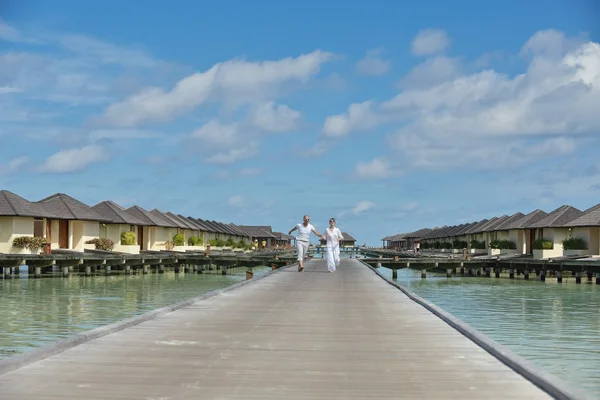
x=73 y=160
x=269 y=117
x=430 y=41
x=487 y=116
x=13 y=165
x=237 y=201
x=373 y=64
x=375 y=169
x=237 y=81
x=360 y=208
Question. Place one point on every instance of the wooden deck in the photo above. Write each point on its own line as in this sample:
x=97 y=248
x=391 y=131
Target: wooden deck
x=291 y=335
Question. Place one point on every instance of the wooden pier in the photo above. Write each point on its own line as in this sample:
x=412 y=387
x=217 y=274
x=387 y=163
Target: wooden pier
x=288 y=335
x=106 y=262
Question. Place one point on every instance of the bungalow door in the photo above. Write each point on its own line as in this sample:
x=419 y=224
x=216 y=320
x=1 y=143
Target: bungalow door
x=63 y=234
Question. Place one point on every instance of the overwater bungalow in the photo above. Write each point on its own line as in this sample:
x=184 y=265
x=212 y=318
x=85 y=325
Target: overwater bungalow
x=475 y=237
x=549 y=232
x=519 y=233
x=156 y=231
x=586 y=228
x=499 y=236
x=20 y=218
x=77 y=223
x=260 y=233
x=121 y=227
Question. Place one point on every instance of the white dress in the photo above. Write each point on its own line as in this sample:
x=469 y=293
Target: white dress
x=333 y=248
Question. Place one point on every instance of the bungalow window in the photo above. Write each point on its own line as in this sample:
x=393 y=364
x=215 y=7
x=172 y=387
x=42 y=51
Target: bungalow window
x=38 y=227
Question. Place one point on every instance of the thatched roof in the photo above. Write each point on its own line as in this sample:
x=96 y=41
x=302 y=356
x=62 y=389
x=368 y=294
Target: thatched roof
x=558 y=217
x=114 y=213
x=66 y=207
x=590 y=217
x=12 y=205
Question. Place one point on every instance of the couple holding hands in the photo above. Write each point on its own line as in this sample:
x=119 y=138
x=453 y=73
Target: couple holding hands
x=333 y=236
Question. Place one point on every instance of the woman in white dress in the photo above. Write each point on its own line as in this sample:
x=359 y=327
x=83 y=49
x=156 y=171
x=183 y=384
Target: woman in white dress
x=333 y=235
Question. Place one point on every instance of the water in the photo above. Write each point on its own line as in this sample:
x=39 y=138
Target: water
x=35 y=312
x=554 y=326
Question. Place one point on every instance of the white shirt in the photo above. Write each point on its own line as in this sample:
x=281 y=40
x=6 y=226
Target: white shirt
x=333 y=237
x=304 y=232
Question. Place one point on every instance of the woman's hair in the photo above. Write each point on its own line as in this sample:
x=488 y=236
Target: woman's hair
x=332 y=219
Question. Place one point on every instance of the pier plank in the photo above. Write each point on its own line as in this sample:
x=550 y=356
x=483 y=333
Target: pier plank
x=291 y=335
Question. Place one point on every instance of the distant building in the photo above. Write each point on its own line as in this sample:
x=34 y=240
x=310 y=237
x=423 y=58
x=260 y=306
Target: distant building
x=349 y=240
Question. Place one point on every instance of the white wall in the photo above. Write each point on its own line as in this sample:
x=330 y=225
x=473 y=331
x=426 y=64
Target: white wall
x=12 y=227
x=81 y=232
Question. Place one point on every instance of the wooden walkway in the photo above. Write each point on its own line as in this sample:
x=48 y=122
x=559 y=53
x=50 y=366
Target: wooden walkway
x=291 y=335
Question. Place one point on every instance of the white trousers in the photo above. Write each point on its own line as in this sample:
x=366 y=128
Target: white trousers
x=302 y=248
x=333 y=257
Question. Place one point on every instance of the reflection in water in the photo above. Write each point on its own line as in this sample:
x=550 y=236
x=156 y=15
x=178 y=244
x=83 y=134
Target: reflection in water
x=555 y=326
x=35 y=312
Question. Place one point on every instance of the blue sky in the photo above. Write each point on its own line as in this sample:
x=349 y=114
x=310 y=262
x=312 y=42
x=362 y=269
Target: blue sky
x=389 y=117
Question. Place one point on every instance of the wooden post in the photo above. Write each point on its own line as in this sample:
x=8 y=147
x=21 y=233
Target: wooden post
x=423 y=273
x=487 y=272
x=107 y=269
x=590 y=275
x=394 y=273
x=128 y=269
x=464 y=253
x=448 y=273
x=274 y=267
x=511 y=273
x=597 y=278
x=543 y=276
x=65 y=271
x=161 y=269
x=559 y=276
x=88 y=270
x=38 y=272
x=224 y=270
x=577 y=277
x=526 y=274
x=249 y=274
x=145 y=268
x=497 y=272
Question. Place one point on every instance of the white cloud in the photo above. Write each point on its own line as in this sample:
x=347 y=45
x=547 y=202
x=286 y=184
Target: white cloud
x=13 y=165
x=360 y=208
x=73 y=160
x=236 y=81
x=216 y=135
x=10 y=33
x=373 y=64
x=237 y=201
x=359 y=117
x=489 y=117
x=277 y=119
x=430 y=41
x=377 y=168
x=432 y=72
x=234 y=155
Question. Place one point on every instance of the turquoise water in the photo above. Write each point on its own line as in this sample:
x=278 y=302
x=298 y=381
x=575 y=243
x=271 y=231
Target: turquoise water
x=35 y=312
x=555 y=326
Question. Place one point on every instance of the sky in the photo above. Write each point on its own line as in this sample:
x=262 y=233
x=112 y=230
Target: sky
x=390 y=117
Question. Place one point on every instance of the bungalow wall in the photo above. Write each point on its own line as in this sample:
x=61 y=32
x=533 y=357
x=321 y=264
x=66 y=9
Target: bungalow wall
x=159 y=235
x=556 y=236
x=82 y=231
x=518 y=236
x=12 y=227
x=114 y=232
x=591 y=236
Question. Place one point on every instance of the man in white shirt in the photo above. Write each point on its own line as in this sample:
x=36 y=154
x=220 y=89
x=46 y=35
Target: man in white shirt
x=303 y=239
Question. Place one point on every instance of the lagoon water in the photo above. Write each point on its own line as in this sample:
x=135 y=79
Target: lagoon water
x=555 y=326
x=35 y=312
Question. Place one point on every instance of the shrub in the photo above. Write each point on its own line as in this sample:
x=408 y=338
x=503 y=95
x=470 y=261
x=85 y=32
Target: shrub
x=29 y=242
x=240 y=245
x=503 y=244
x=102 y=244
x=195 y=241
x=574 y=244
x=169 y=245
x=460 y=244
x=230 y=243
x=213 y=242
x=543 y=244
x=128 y=238
x=476 y=244
x=220 y=243
x=179 y=240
